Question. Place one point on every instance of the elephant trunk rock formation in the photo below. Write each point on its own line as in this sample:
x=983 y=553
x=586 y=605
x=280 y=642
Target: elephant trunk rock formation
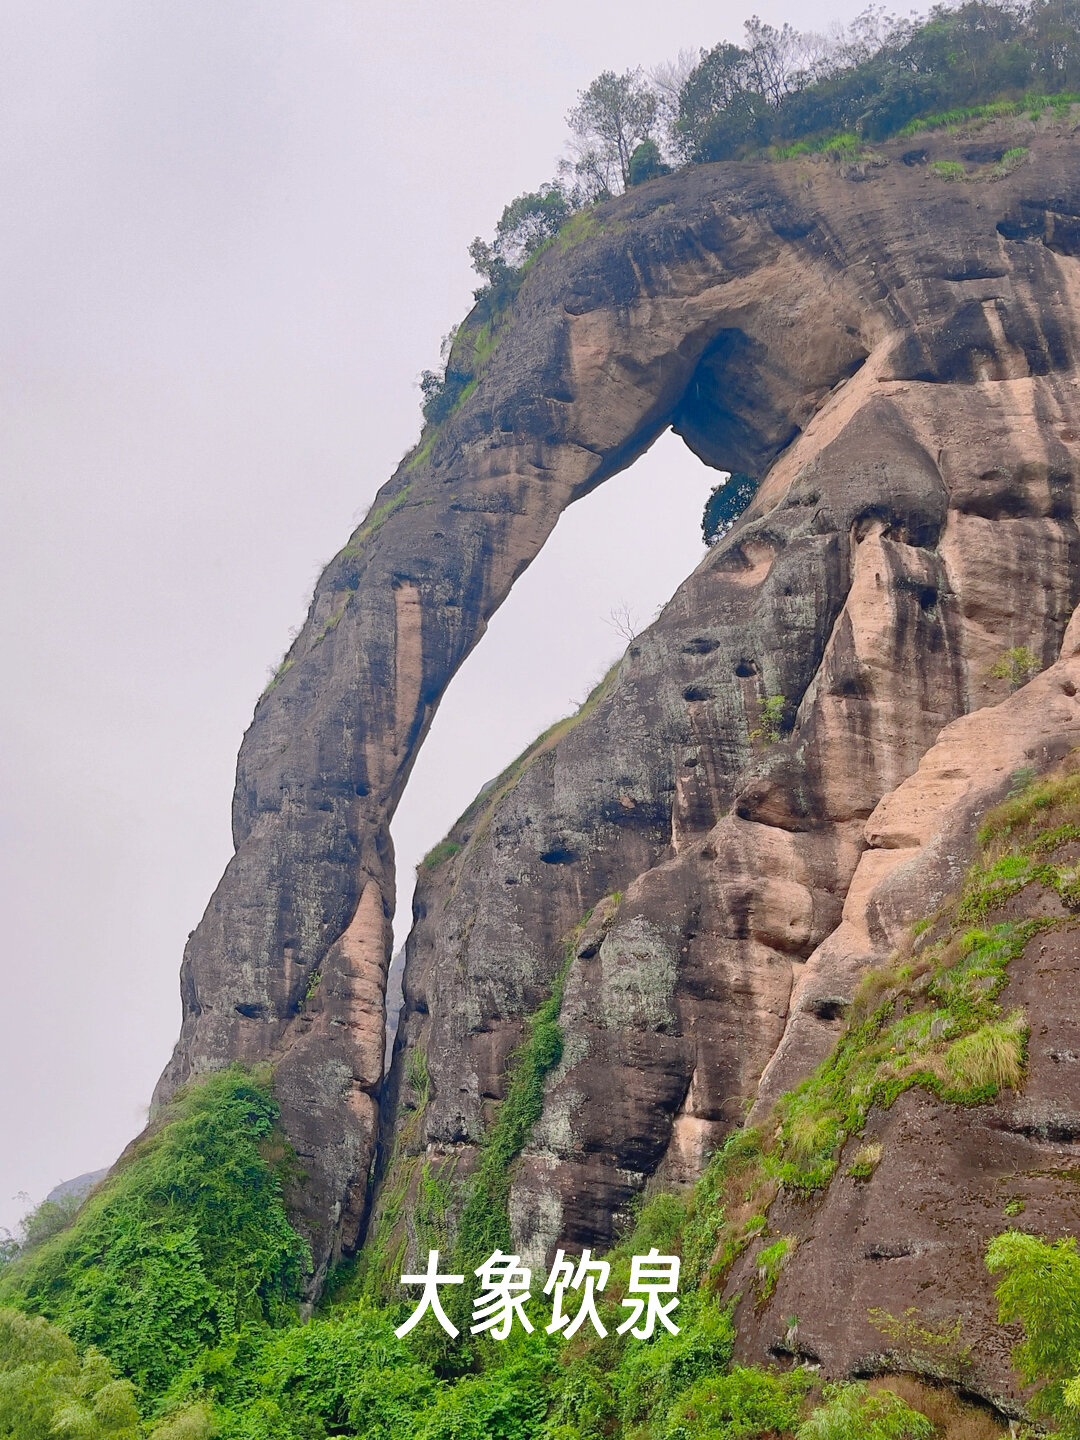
x=894 y=357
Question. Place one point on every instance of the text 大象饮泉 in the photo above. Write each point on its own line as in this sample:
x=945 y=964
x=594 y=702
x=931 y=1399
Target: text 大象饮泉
x=505 y=1287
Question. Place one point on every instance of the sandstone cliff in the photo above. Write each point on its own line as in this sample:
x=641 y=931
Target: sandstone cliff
x=780 y=775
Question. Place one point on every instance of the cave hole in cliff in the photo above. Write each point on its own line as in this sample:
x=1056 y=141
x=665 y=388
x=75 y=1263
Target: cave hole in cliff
x=615 y=557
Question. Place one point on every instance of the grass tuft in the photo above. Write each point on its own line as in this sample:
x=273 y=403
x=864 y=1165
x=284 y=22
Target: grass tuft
x=867 y=1159
x=948 y=170
x=990 y=1058
x=443 y=851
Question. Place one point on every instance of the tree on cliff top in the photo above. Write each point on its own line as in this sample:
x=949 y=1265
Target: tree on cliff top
x=781 y=91
x=874 y=76
x=613 y=116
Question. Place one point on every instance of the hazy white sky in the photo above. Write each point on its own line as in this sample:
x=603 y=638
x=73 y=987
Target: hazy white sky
x=233 y=234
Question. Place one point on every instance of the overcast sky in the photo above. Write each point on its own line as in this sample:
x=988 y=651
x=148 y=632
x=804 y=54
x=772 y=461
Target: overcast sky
x=233 y=234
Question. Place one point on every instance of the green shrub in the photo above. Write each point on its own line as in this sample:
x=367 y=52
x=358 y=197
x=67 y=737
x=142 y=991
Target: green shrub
x=47 y=1390
x=654 y=1373
x=348 y=1374
x=444 y=391
x=738 y=1406
x=646 y=163
x=586 y=1408
x=1040 y=1288
x=851 y=1412
x=508 y=1402
x=1019 y=664
x=771 y=710
x=183 y=1244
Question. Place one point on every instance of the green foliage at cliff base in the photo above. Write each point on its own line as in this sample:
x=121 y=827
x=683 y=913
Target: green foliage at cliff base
x=186 y=1244
x=1040 y=1288
x=168 y=1307
x=217 y=1348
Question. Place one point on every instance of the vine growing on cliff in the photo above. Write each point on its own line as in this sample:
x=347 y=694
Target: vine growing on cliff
x=185 y=1244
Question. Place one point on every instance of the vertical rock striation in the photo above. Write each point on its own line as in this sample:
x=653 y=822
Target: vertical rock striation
x=896 y=358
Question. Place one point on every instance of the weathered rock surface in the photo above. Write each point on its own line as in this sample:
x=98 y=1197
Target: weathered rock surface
x=919 y=842
x=918 y=527
x=897 y=358
x=908 y=1244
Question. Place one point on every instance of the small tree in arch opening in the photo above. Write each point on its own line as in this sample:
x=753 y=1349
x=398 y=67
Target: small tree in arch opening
x=724 y=506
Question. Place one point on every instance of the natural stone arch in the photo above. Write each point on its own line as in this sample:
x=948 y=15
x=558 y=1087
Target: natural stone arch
x=722 y=301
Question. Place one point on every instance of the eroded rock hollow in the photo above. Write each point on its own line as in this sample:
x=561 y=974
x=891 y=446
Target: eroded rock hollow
x=775 y=780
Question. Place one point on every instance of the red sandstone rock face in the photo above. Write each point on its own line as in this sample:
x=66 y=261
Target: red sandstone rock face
x=898 y=360
x=917 y=528
x=908 y=1245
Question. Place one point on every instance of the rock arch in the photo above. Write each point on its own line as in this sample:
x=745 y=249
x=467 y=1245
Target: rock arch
x=789 y=322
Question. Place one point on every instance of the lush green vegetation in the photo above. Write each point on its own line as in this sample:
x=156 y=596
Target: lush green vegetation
x=169 y=1305
x=1040 y=1288
x=884 y=76
x=47 y=1388
x=740 y=1402
x=851 y=1412
x=186 y=1245
x=1016 y=665
x=771 y=712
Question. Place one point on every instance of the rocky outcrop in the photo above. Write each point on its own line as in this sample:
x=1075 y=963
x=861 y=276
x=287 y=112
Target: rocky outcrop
x=895 y=356
x=917 y=529
x=887 y=1270
x=919 y=841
